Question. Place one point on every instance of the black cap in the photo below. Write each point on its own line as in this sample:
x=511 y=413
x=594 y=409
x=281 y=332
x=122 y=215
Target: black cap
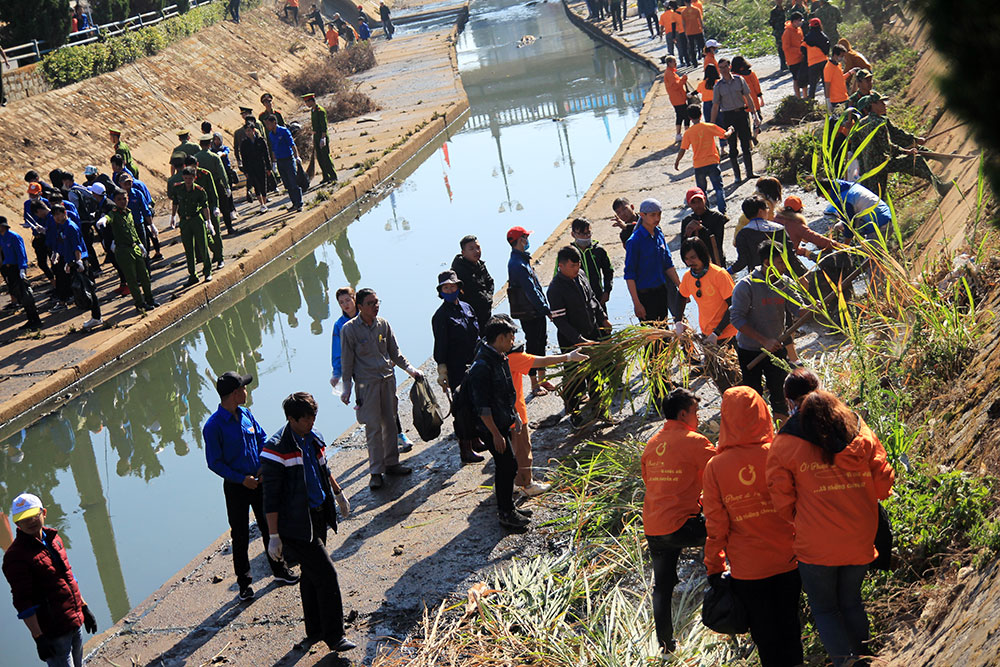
x=3 y=222
x=230 y=381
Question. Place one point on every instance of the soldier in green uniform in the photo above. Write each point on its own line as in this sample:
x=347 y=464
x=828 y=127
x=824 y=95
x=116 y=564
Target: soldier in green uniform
x=830 y=16
x=891 y=144
x=121 y=148
x=213 y=163
x=204 y=178
x=864 y=82
x=321 y=138
x=191 y=202
x=267 y=99
x=186 y=146
x=130 y=253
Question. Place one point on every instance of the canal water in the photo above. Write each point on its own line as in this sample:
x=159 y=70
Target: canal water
x=122 y=469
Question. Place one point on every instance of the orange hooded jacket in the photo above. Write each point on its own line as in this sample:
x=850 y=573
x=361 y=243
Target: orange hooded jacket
x=672 y=466
x=739 y=517
x=791 y=43
x=834 y=507
x=675 y=86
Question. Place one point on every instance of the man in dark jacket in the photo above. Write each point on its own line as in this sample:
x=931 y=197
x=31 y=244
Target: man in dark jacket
x=44 y=589
x=707 y=224
x=492 y=393
x=456 y=336
x=578 y=315
x=594 y=259
x=777 y=23
x=527 y=303
x=299 y=495
x=477 y=283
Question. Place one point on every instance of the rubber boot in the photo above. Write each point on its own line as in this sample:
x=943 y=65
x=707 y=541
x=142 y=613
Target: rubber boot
x=468 y=456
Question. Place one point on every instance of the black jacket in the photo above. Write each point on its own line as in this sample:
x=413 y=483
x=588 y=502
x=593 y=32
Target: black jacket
x=596 y=265
x=491 y=389
x=254 y=155
x=284 y=479
x=456 y=333
x=817 y=38
x=777 y=21
x=576 y=312
x=713 y=224
x=477 y=287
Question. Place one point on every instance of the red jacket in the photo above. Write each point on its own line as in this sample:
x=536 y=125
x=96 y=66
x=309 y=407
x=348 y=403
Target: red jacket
x=739 y=517
x=41 y=579
x=834 y=507
x=672 y=465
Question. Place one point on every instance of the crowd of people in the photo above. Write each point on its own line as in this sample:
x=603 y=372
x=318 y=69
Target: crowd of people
x=787 y=511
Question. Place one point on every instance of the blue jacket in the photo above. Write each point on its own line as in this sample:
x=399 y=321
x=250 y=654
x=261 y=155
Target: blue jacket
x=863 y=208
x=29 y=219
x=67 y=239
x=647 y=258
x=282 y=143
x=524 y=292
x=233 y=444
x=335 y=348
x=140 y=202
x=12 y=250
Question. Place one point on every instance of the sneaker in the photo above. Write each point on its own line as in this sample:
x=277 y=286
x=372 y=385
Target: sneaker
x=57 y=306
x=219 y=264
x=535 y=488
x=91 y=323
x=678 y=137
x=399 y=469
x=523 y=512
x=287 y=577
x=341 y=645
x=376 y=482
x=512 y=520
x=151 y=304
x=263 y=208
x=404 y=443
x=208 y=278
x=246 y=592
x=235 y=215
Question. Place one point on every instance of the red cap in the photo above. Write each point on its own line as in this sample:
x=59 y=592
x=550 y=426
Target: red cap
x=814 y=22
x=694 y=192
x=34 y=189
x=514 y=233
x=794 y=203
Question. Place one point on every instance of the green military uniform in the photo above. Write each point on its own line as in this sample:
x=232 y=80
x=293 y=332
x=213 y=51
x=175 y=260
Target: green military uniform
x=121 y=148
x=321 y=144
x=207 y=183
x=887 y=144
x=861 y=101
x=213 y=163
x=830 y=16
x=190 y=208
x=187 y=148
x=264 y=114
x=129 y=253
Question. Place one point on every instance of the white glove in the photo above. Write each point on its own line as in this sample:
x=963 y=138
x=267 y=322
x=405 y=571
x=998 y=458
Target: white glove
x=343 y=504
x=103 y=220
x=79 y=265
x=679 y=328
x=113 y=246
x=173 y=221
x=577 y=355
x=210 y=228
x=711 y=339
x=274 y=166
x=229 y=193
x=217 y=213
x=274 y=547
x=322 y=142
x=334 y=380
x=24 y=274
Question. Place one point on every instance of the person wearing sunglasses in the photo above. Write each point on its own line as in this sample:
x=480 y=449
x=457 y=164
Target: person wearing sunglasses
x=711 y=287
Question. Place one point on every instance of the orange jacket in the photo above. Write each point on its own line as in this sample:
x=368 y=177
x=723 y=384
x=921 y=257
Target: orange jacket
x=675 y=87
x=791 y=44
x=834 y=507
x=753 y=83
x=741 y=522
x=672 y=465
x=710 y=60
x=692 y=20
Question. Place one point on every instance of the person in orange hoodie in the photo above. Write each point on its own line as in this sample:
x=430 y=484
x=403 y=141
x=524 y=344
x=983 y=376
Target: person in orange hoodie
x=744 y=529
x=791 y=44
x=826 y=472
x=677 y=91
x=672 y=467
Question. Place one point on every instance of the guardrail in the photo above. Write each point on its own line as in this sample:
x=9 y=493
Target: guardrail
x=31 y=52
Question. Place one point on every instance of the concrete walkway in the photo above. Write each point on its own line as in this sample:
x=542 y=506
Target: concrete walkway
x=415 y=83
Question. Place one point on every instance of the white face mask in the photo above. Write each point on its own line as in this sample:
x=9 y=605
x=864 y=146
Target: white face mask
x=583 y=243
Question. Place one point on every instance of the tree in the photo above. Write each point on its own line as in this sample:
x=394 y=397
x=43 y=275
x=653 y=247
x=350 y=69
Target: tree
x=959 y=32
x=46 y=20
x=109 y=11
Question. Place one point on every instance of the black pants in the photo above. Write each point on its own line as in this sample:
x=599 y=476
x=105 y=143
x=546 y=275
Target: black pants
x=20 y=291
x=815 y=76
x=295 y=13
x=617 y=14
x=696 y=45
x=682 y=49
x=322 y=606
x=765 y=371
x=535 y=337
x=653 y=25
x=506 y=471
x=772 y=606
x=739 y=120
x=664 y=550
x=239 y=501
x=41 y=255
x=658 y=301
x=781 y=52
x=88 y=233
x=233 y=8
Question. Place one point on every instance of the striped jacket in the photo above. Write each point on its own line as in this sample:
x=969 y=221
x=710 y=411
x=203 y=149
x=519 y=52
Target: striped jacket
x=284 y=479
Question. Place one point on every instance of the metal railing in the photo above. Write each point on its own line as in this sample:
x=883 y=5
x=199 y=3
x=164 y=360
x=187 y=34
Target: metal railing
x=31 y=52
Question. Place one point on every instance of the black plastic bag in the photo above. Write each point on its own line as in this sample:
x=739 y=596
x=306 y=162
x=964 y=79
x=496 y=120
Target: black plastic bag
x=722 y=611
x=82 y=287
x=426 y=414
x=883 y=542
x=301 y=177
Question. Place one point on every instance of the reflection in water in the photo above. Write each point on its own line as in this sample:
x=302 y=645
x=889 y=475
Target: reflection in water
x=122 y=469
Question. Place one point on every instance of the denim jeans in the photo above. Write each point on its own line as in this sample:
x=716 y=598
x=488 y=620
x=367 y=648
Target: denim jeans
x=702 y=175
x=287 y=169
x=68 y=650
x=834 y=594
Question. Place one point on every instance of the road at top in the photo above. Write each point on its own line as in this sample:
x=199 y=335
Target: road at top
x=122 y=468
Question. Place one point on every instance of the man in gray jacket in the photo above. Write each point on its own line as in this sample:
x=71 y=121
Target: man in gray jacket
x=758 y=312
x=368 y=352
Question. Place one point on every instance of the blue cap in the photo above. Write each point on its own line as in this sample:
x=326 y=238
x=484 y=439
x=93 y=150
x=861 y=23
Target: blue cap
x=650 y=206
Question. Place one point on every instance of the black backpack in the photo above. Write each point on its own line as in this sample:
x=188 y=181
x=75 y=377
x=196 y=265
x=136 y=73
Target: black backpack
x=722 y=611
x=426 y=414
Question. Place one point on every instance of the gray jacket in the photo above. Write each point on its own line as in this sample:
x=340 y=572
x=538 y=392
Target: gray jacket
x=761 y=307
